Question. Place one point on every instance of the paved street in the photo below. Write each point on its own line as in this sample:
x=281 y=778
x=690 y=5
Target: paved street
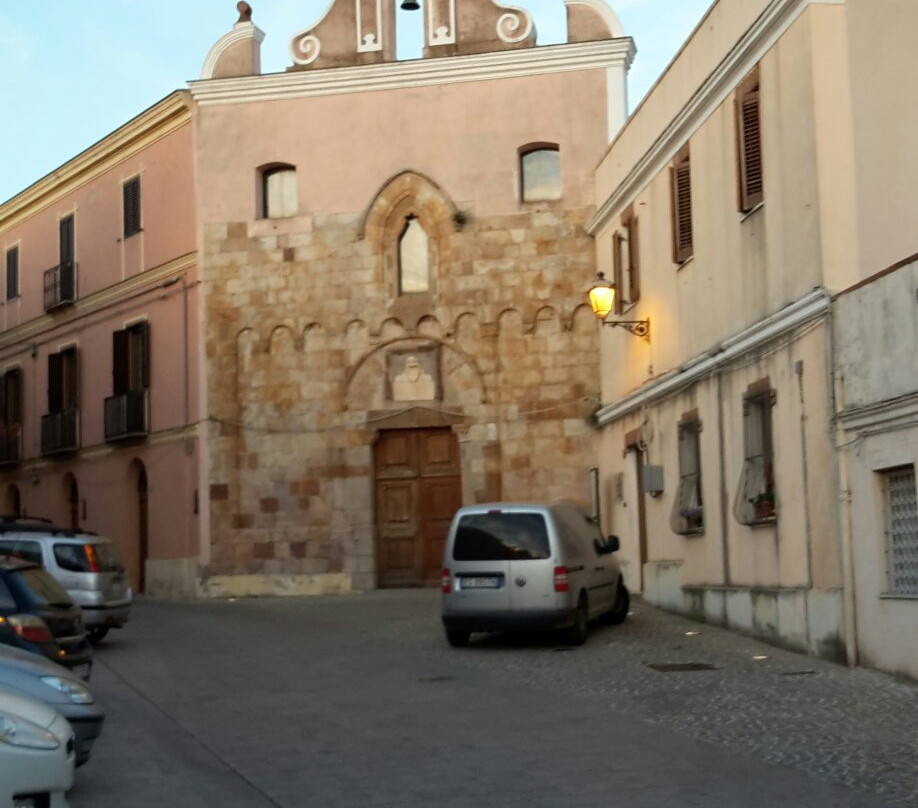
x=358 y=701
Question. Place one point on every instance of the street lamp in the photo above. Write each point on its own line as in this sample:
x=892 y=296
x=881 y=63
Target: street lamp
x=602 y=301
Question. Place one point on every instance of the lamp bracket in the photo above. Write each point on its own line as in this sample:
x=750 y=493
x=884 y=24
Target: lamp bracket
x=640 y=328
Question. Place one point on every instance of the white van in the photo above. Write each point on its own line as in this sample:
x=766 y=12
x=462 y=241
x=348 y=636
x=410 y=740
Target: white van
x=529 y=566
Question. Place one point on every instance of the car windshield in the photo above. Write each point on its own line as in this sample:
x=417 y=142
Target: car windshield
x=501 y=536
x=35 y=587
x=90 y=557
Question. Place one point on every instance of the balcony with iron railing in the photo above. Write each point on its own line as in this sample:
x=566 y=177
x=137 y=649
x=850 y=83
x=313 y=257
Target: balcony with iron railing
x=60 y=285
x=60 y=432
x=10 y=444
x=127 y=415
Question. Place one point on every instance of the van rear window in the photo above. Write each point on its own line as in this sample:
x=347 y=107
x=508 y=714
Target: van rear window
x=501 y=537
x=98 y=557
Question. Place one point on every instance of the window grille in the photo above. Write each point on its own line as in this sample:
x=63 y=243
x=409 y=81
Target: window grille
x=901 y=506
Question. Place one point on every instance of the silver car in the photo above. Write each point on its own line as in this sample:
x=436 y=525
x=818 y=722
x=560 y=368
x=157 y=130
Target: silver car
x=48 y=682
x=86 y=565
x=529 y=566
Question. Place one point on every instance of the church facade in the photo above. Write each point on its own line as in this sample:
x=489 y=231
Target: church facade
x=394 y=263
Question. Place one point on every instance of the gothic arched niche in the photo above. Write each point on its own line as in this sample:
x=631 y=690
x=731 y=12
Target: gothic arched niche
x=406 y=224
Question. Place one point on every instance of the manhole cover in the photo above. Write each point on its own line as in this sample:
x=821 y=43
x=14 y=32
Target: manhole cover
x=798 y=673
x=680 y=667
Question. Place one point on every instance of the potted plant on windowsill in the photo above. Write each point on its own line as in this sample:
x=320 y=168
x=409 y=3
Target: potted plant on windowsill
x=693 y=516
x=763 y=504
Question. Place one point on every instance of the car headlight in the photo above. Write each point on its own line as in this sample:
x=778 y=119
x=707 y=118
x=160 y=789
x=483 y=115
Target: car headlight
x=17 y=731
x=75 y=691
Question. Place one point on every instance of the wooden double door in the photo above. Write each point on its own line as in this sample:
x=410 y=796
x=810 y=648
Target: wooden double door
x=418 y=489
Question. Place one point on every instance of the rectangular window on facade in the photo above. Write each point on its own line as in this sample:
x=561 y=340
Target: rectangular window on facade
x=12 y=273
x=131 y=371
x=900 y=512
x=749 y=143
x=11 y=398
x=625 y=268
x=756 y=502
x=131 y=205
x=279 y=192
x=66 y=240
x=63 y=378
x=688 y=509
x=540 y=174
x=681 y=178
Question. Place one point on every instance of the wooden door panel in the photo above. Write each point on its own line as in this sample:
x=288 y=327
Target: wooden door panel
x=397 y=455
x=418 y=489
x=439 y=453
x=397 y=505
x=440 y=498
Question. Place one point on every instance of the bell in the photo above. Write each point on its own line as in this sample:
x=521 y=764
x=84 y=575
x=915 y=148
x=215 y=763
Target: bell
x=410 y=5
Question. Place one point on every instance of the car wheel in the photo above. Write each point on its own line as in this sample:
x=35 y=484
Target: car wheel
x=97 y=634
x=622 y=604
x=457 y=638
x=577 y=633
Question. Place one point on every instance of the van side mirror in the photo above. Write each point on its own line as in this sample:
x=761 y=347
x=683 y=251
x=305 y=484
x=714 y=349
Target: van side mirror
x=613 y=544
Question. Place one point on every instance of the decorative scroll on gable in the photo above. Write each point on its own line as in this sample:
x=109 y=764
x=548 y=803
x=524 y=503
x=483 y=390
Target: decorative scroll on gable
x=360 y=32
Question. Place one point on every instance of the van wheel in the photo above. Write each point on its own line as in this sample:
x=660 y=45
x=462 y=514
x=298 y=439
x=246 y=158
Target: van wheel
x=622 y=604
x=577 y=633
x=96 y=635
x=457 y=638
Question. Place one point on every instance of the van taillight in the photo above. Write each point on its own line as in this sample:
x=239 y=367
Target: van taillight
x=447 y=582
x=560 y=579
x=91 y=559
x=30 y=627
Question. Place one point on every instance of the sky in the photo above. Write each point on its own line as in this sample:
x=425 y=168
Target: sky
x=72 y=71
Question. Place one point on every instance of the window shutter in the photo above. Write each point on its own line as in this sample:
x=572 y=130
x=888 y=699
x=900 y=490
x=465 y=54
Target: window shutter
x=14 y=396
x=131 y=195
x=143 y=334
x=750 y=146
x=617 y=272
x=70 y=377
x=634 y=268
x=66 y=229
x=12 y=273
x=121 y=356
x=682 y=209
x=55 y=383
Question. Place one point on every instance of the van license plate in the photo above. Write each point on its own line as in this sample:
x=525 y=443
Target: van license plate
x=484 y=582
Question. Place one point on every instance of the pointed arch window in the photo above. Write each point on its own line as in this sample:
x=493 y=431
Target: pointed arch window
x=413 y=258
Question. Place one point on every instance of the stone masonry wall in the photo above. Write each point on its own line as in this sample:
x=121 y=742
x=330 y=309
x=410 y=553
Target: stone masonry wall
x=301 y=314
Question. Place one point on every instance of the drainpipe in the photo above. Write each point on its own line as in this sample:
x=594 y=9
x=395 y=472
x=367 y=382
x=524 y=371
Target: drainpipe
x=849 y=600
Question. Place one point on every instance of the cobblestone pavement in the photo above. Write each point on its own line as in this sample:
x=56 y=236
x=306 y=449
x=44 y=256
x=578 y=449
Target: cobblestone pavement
x=358 y=701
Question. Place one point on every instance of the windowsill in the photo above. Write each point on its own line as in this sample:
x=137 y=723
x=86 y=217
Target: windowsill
x=768 y=521
x=685 y=263
x=751 y=212
x=690 y=534
x=897 y=596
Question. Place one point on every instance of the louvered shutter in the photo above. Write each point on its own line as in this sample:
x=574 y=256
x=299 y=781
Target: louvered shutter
x=66 y=230
x=682 y=209
x=121 y=362
x=143 y=335
x=131 y=194
x=750 y=145
x=617 y=272
x=55 y=383
x=634 y=268
x=14 y=396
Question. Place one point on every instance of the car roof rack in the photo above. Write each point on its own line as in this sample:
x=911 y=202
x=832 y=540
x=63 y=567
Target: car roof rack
x=36 y=524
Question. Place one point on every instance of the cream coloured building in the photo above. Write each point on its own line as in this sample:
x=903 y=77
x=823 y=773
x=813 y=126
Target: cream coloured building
x=758 y=445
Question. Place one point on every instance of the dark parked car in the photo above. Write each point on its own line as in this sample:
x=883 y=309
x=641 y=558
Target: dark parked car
x=36 y=614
